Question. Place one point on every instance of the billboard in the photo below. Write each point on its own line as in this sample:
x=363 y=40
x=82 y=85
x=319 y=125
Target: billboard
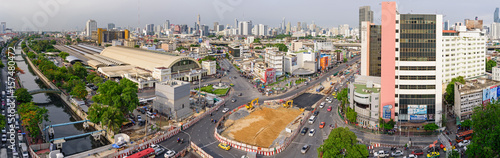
x=387 y=112
x=270 y=75
x=493 y=93
x=294 y=61
x=418 y=117
x=324 y=63
x=473 y=24
x=498 y=92
x=486 y=94
x=417 y=109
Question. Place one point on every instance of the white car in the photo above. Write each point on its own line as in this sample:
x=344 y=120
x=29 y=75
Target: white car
x=381 y=153
x=322 y=105
x=411 y=156
x=464 y=143
x=312 y=132
x=4 y=138
x=225 y=110
x=169 y=153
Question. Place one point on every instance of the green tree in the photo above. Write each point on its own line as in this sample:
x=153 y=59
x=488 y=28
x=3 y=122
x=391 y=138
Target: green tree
x=31 y=55
x=79 y=91
x=450 y=89
x=78 y=40
x=63 y=55
x=79 y=70
x=2 y=121
x=136 y=46
x=1 y=65
x=351 y=115
x=454 y=154
x=431 y=127
x=386 y=125
x=155 y=40
x=256 y=40
x=345 y=60
x=113 y=118
x=32 y=115
x=22 y=95
x=91 y=76
x=122 y=95
x=467 y=123
x=95 y=113
x=486 y=137
x=342 y=143
x=282 y=47
x=97 y=80
x=490 y=64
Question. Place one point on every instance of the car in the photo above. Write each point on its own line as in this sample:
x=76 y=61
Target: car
x=150 y=115
x=142 y=123
x=441 y=146
x=225 y=110
x=142 y=111
x=233 y=100
x=4 y=131
x=20 y=137
x=305 y=148
x=241 y=94
x=412 y=156
x=311 y=132
x=4 y=138
x=397 y=153
x=224 y=146
x=417 y=152
x=316 y=113
x=304 y=131
x=139 y=118
x=159 y=150
x=464 y=143
x=322 y=105
x=169 y=153
x=433 y=155
x=381 y=153
x=322 y=125
x=329 y=108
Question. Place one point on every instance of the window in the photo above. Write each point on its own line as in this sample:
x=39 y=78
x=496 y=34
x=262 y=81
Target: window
x=396 y=95
x=183 y=106
x=397 y=49
x=418 y=78
x=397 y=40
x=396 y=66
x=396 y=77
x=397 y=57
x=417 y=87
x=397 y=31
x=396 y=86
x=397 y=21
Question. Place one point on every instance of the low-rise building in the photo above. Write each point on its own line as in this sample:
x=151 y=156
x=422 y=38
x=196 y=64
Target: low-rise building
x=364 y=94
x=495 y=73
x=172 y=98
x=274 y=59
x=472 y=94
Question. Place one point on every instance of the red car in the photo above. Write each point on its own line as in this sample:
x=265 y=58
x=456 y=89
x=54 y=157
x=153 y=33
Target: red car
x=322 y=124
x=417 y=152
x=329 y=108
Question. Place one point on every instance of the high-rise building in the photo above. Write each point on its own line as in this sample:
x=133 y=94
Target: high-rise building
x=365 y=14
x=370 y=49
x=111 y=26
x=3 y=26
x=464 y=53
x=495 y=31
x=304 y=26
x=150 y=29
x=106 y=36
x=220 y=27
x=283 y=26
x=157 y=29
x=298 y=26
x=288 y=28
x=216 y=24
x=199 y=22
x=245 y=28
x=495 y=16
x=90 y=26
x=446 y=25
x=411 y=66
x=166 y=25
x=262 y=30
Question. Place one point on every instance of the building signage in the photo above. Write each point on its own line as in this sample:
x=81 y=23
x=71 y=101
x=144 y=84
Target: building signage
x=417 y=109
x=493 y=93
x=418 y=117
x=498 y=92
x=387 y=111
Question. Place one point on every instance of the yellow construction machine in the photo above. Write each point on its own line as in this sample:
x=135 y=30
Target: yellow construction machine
x=288 y=104
x=250 y=105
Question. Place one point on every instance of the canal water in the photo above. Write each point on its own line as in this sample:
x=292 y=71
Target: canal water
x=58 y=113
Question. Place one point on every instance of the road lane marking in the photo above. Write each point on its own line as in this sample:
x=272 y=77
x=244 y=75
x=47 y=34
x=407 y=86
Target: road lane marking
x=208 y=144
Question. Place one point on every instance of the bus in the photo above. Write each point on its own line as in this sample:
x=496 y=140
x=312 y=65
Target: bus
x=466 y=135
x=146 y=153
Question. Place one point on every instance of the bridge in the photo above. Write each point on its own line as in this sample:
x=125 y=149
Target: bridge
x=64 y=124
x=45 y=91
x=85 y=125
x=75 y=136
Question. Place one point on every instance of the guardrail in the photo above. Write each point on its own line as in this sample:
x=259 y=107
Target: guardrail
x=165 y=136
x=200 y=151
x=256 y=149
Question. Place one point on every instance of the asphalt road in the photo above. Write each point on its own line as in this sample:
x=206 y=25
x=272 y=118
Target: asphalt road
x=202 y=133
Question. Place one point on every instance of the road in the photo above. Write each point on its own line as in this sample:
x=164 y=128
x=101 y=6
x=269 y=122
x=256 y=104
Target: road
x=202 y=133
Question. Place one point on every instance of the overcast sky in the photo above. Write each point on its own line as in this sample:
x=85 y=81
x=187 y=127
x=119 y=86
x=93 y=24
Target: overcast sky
x=72 y=14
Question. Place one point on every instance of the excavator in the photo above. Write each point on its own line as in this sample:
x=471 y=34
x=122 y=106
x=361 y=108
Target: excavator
x=250 y=105
x=288 y=104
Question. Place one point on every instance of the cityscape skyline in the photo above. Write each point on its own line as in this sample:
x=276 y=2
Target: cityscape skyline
x=73 y=15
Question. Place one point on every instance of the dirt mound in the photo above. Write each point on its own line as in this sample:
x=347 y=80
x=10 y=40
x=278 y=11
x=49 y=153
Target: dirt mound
x=261 y=127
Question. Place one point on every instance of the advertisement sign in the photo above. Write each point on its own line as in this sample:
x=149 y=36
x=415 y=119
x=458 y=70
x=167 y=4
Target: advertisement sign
x=418 y=117
x=486 y=94
x=270 y=75
x=294 y=61
x=498 y=92
x=493 y=93
x=417 y=109
x=387 y=112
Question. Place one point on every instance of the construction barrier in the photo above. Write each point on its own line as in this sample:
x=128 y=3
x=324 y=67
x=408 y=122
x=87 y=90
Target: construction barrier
x=200 y=151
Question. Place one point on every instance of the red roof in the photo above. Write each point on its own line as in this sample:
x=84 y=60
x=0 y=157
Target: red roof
x=449 y=31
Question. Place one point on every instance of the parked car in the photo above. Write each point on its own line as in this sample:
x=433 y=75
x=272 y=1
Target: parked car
x=322 y=105
x=381 y=153
x=150 y=115
x=304 y=131
x=224 y=146
x=417 y=152
x=139 y=118
x=233 y=100
x=464 y=143
x=316 y=113
x=305 y=148
x=4 y=138
x=412 y=156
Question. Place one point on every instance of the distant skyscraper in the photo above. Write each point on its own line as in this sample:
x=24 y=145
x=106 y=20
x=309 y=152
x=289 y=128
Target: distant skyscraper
x=304 y=26
x=365 y=14
x=245 y=28
x=298 y=26
x=199 y=22
x=288 y=27
x=262 y=30
x=90 y=26
x=111 y=26
x=150 y=29
x=446 y=25
x=3 y=26
x=166 y=25
x=216 y=24
x=495 y=16
x=283 y=26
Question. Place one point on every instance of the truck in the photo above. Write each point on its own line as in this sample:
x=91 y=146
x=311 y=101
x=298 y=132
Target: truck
x=320 y=88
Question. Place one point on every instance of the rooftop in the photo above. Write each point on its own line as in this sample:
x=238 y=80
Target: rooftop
x=476 y=85
x=362 y=89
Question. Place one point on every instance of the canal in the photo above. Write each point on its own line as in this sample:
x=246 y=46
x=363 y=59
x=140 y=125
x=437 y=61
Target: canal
x=58 y=113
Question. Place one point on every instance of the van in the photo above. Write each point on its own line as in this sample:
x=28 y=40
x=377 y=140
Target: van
x=312 y=119
x=150 y=115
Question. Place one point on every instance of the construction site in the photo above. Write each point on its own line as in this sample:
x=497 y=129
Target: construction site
x=258 y=125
